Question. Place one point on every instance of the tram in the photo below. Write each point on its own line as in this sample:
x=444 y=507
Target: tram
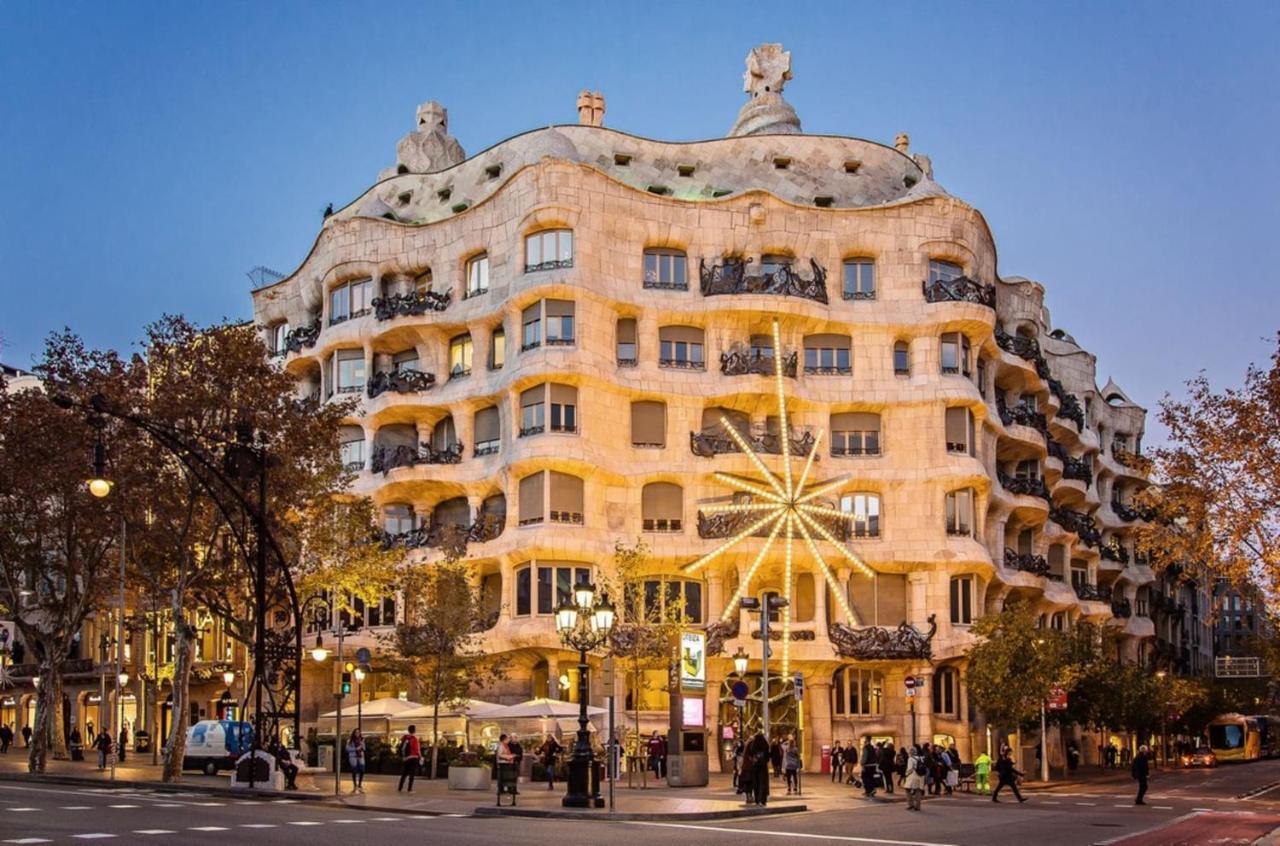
x=1243 y=737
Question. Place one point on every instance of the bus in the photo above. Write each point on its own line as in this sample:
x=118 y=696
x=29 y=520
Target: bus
x=1241 y=737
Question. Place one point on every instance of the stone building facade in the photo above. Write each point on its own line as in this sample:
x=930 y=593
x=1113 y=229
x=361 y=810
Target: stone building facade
x=543 y=338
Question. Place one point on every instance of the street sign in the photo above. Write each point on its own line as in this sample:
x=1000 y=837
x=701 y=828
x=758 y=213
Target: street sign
x=799 y=680
x=1057 y=700
x=740 y=690
x=607 y=677
x=363 y=655
x=910 y=682
x=1228 y=667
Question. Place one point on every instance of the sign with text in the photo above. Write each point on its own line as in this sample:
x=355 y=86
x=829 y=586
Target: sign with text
x=693 y=661
x=1057 y=700
x=692 y=712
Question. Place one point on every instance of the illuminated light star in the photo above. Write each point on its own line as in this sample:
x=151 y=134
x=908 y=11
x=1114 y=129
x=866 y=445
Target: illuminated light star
x=784 y=507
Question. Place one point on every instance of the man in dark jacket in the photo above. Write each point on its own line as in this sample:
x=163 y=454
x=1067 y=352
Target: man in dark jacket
x=1008 y=777
x=775 y=757
x=887 y=765
x=869 y=760
x=837 y=761
x=1140 y=771
x=758 y=750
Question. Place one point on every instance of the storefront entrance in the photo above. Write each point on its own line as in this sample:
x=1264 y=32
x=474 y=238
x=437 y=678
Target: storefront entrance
x=784 y=713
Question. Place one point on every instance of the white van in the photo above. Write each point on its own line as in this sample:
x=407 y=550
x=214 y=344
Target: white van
x=214 y=745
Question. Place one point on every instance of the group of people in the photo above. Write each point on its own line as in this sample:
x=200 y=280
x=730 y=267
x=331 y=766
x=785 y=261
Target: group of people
x=753 y=759
x=7 y=736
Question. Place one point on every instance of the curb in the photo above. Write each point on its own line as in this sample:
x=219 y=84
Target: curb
x=389 y=809
x=159 y=786
x=607 y=816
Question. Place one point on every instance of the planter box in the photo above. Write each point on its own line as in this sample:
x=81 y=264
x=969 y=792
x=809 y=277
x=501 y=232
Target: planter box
x=468 y=778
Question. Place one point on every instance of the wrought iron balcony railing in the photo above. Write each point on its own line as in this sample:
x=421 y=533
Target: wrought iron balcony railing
x=716 y=442
x=1024 y=486
x=742 y=362
x=731 y=277
x=1092 y=592
x=1027 y=562
x=411 y=304
x=1080 y=469
x=1023 y=416
x=553 y=264
x=386 y=459
x=1027 y=349
x=487 y=527
x=959 y=290
x=1084 y=526
x=873 y=643
x=1113 y=550
x=302 y=336
x=400 y=382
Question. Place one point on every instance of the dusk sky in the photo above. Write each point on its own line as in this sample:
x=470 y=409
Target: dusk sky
x=1125 y=154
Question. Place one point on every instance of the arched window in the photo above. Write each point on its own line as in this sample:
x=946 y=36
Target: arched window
x=547 y=250
x=665 y=269
x=662 y=507
x=460 y=355
x=857 y=693
x=901 y=359
x=946 y=692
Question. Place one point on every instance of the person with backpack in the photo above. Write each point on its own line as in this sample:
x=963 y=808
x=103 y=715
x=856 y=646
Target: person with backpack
x=410 y=758
x=869 y=762
x=791 y=764
x=1007 y=775
x=356 y=761
x=916 y=770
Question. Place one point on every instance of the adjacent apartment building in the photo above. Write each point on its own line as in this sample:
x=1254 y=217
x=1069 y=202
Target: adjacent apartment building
x=550 y=339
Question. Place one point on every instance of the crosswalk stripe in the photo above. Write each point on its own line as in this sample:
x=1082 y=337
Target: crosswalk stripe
x=207 y=828
x=97 y=835
x=154 y=831
x=257 y=825
x=29 y=840
x=304 y=822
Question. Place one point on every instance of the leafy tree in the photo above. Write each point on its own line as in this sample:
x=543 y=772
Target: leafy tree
x=58 y=544
x=1014 y=664
x=439 y=644
x=1218 y=502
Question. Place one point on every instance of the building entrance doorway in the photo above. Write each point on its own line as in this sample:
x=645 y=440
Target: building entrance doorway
x=784 y=713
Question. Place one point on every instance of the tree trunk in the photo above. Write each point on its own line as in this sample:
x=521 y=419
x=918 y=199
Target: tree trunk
x=182 y=655
x=435 y=724
x=41 y=732
x=57 y=737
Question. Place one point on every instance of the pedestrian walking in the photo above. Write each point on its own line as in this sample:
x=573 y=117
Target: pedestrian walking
x=410 y=757
x=759 y=752
x=850 y=762
x=654 y=748
x=775 y=757
x=356 y=760
x=549 y=751
x=791 y=764
x=950 y=771
x=1140 y=771
x=1125 y=754
x=26 y=736
x=1007 y=776
x=1110 y=756
x=914 y=782
x=1073 y=756
x=739 y=749
x=6 y=738
x=837 y=761
x=900 y=765
x=103 y=745
x=887 y=765
x=869 y=762
x=982 y=773
x=124 y=742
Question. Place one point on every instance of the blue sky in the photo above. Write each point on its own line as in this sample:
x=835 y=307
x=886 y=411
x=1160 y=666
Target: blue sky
x=1124 y=154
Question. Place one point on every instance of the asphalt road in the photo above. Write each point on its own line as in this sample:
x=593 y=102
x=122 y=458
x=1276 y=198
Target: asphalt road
x=1184 y=808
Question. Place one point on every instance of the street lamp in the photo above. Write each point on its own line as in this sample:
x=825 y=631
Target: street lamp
x=318 y=652
x=584 y=624
x=359 y=674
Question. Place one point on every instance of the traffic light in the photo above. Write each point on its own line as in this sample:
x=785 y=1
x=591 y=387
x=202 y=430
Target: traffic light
x=348 y=667
x=346 y=683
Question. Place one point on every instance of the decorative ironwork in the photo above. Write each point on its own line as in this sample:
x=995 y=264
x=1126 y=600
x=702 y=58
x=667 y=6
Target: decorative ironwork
x=1027 y=349
x=714 y=442
x=1070 y=409
x=400 y=382
x=1113 y=550
x=1092 y=592
x=1024 y=486
x=774 y=634
x=1023 y=416
x=1122 y=608
x=554 y=264
x=412 y=304
x=1079 y=523
x=386 y=459
x=627 y=362
x=962 y=289
x=302 y=336
x=719 y=632
x=1027 y=562
x=1080 y=469
x=740 y=361
x=730 y=277
x=882 y=643
x=1123 y=511
x=487 y=527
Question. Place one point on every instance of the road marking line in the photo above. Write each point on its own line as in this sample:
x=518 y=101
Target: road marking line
x=168 y=804
x=304 y=822
x=346 y=821
x=23 y=809
x=209 y=804
x=207 y=828
x=1049 y=803
x=257 y=825
x=284 y=801
x=797 y=834
x=97 y=835
x=122 y=806
x=1122 y=806
x=1088 y=804
x=76 y=807
x=1163 y=807
x=154 y=831
x=29 y=840
x=1202 y=809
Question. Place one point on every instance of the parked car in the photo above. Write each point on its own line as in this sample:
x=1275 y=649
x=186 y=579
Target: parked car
x=214 y=745
x=1202 y=757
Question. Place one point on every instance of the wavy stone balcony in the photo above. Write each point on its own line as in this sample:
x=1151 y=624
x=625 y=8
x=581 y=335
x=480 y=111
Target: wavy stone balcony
x=730 y=277
x=709 y=443
x=1081 y=524
x=1027 y=349
x=1069 y=407
x=386 y=459
x=486 y=528
x=740 y=361
x=1023 y=416
x=1114 y=551
x=400 y=382
x=1122 y=608
x=1026 y=562
x=412 y=304
x=1079 y=469
x=1024 y=486
x=959 y=290
x=1093 y=593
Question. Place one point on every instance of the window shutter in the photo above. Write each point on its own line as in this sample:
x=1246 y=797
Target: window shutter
x=398 y=434
x=533 y=396
x=566 y=492
x=855 y=421
x=531 y=497
x=404 y=357
x=804 y=598
x=649 y=422
x=453 y=512
x=350 y=355
x=559 y=308
x=891 y=598
x=862 y=598
x=488 y=426
x=531 y=313
x=350 y=434
x=564 y=394
x=627 y=330
x=737 y=419
x=689 y=334
x=958 y=426
x=662 y=501
x=836 y=342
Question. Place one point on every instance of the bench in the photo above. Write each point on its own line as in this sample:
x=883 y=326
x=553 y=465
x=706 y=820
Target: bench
x=966 y=777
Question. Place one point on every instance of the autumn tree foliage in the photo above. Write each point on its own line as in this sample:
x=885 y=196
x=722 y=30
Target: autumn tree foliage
x=1014 y=664
x=1217 y=501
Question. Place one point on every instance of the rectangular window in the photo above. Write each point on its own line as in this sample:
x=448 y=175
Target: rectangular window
x=865 y=509
x=962 y=600
x=487 y=431
x=547 y=250
x=827 y=355
x=860 y=279
x=959 y=435
x=680 y=347
x=960 y=512
x=564 y=408
x=280 y=338
x=648 y=424
x=665 y=269
x=533 y=419
x=546 y=596
x=559 y=322
x=955 y=354
x=524 y=592
x=627 y=342
x=350 y=374
x=498 y=349
x=944 y=271
x=566 y=498
x=353 y=454
x=478 y=275
x=404 y=362
x=349 y=300
x=532 y=510
x=460 y=356
x=531 y=327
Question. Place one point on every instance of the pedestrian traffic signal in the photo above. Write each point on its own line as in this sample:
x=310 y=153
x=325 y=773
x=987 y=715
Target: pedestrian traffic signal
x=346 y=683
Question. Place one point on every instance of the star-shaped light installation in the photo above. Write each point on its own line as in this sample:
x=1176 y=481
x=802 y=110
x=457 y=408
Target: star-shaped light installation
x=784 y=506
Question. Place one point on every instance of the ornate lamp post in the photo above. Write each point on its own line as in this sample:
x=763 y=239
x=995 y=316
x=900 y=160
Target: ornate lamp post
x=584 y=624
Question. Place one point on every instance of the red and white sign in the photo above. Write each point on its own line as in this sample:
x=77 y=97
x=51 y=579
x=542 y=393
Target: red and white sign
x=1057 y=700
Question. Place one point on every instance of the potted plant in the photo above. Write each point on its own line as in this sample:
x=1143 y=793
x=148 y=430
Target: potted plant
x=468 y=772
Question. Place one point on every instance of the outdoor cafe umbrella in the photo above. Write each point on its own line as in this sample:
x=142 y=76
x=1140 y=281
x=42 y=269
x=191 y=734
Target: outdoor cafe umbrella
x=375 y=709
x=467 y=709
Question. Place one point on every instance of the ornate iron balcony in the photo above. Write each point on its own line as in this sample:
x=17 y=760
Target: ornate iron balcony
x=485 y=528
x=739 y=361
x=1024 y=486
x=386 y=459
x=1023 y=416
x=1093 y=593
x=627 y=362
x=959 y=290
x=858 y=295
x=875 y=643
x=412 y=304
x=1123 y=511
x=400 y=382
x=1028 y=349
x=816 y=370
x=1081 y=524
x=681 y=364
x=715 y=442
x=1113 y=550
x=655 y=285
x=1070 y=409
x=554 y=264
x=1027 y=562
x=302 y=336
x=730 y=277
